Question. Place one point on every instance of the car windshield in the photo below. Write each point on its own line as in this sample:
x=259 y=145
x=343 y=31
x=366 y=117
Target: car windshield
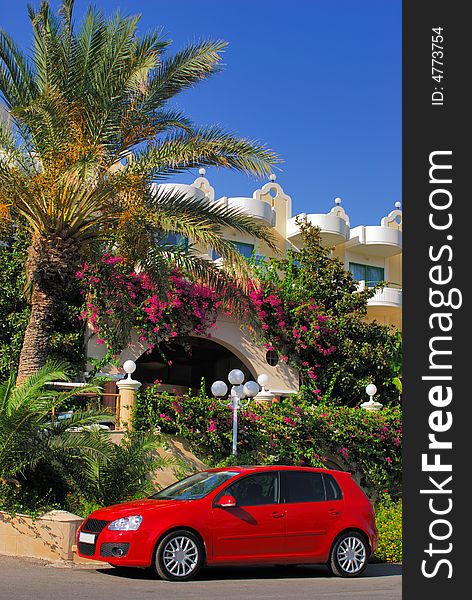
x=194 y=487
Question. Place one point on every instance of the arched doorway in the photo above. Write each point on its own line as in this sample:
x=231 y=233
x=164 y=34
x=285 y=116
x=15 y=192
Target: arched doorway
x=207 y=359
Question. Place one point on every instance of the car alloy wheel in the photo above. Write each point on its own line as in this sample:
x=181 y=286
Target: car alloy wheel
x=179 y=556
x=349 y=555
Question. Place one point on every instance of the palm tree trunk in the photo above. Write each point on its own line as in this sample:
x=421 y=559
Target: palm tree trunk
x=34 y=352
x=52 y=261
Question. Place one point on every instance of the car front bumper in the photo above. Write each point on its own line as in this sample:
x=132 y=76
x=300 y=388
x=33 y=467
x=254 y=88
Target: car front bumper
x=126 y=548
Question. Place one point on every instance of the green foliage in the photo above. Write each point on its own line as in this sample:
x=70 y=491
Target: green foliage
x=14 y=310
x=16 y=498
x=314 y=317
x=28 y=434
x=49 y=463
x=388 y=516
x=124 y=475
x=293 y=431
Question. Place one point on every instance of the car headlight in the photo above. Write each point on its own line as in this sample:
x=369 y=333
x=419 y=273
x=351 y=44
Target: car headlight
x=126 y=523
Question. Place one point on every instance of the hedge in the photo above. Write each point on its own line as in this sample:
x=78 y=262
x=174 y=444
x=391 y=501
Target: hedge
x=289 y=432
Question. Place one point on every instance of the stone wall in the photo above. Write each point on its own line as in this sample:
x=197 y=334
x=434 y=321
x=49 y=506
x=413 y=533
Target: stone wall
x=50 y=537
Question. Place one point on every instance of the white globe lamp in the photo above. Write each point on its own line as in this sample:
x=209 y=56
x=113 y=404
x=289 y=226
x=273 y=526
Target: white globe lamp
x=129 y=366
x=263 y=380
x=240 y=397
x=236 y=377
x=251 y=388
x=219 y=389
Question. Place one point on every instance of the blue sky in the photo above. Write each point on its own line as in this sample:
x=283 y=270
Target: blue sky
x=318 y=80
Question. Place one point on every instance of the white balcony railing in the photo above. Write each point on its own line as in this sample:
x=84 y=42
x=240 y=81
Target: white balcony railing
x=390 y=295
x=187 y=192
x=258 y=209
x=333 y=229
x=376 y=240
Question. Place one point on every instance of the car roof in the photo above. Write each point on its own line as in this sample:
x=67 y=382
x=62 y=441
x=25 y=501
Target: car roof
x=256 y=468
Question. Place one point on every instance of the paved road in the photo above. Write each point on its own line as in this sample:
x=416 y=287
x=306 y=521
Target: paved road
x=30 y=579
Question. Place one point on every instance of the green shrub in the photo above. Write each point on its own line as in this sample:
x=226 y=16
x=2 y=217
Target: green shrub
x=289 y=432
x=47 y=463
x=124 y=474
x=388 y=515
x=16 y=498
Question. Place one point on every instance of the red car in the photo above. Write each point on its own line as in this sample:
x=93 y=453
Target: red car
x=238 y=515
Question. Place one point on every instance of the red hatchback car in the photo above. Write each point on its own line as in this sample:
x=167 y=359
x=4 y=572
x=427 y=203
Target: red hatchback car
x=238 y=516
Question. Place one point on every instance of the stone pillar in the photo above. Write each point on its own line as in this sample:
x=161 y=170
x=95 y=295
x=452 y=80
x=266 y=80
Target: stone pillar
x=127 y=389
x=264 y=398
x=371 y=405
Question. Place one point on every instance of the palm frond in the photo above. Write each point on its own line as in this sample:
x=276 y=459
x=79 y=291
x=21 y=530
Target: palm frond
x=206 y=146
x=230 y=288
x=17 y=81
x=170 y=206
x=187 y=67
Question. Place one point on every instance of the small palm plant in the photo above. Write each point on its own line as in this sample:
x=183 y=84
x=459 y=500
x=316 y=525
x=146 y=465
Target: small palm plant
x=29 y=434
x=46 y=460
x=125 y=475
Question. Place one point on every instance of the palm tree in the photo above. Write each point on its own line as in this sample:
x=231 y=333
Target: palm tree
x=127 y=474
x=86 y=131
x=28 y=433
x=45 y=457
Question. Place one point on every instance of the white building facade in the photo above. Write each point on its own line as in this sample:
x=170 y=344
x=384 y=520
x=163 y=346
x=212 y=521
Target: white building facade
x=373 y=253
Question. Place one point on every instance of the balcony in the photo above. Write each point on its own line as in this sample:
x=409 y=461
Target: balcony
x=334 y=229
x=188 y=192
x=391 y=295
x=376 y=240
x=258 y=209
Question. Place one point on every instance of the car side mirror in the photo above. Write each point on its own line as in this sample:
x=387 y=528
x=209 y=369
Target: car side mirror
x=226 y=501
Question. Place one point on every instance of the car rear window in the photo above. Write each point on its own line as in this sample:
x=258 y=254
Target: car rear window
x=303 y=487
x=333 y=491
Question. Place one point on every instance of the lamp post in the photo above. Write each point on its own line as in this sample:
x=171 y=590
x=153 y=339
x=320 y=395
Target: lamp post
x=239 y=393
x=371 y=390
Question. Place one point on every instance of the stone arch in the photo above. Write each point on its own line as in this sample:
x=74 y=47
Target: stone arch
x=184 y=366
x=283 y=379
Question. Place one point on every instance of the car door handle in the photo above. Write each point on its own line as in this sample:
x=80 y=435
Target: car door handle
x=334 y=512
x=277 y=515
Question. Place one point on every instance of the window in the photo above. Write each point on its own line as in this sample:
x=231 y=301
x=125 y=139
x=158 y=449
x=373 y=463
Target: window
x=194 y=487
x=256 y=490
x=174 y=239
x=304 y=487
x=272 y=358
x=333 y=491
x=245 y=249
x=371 y=275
